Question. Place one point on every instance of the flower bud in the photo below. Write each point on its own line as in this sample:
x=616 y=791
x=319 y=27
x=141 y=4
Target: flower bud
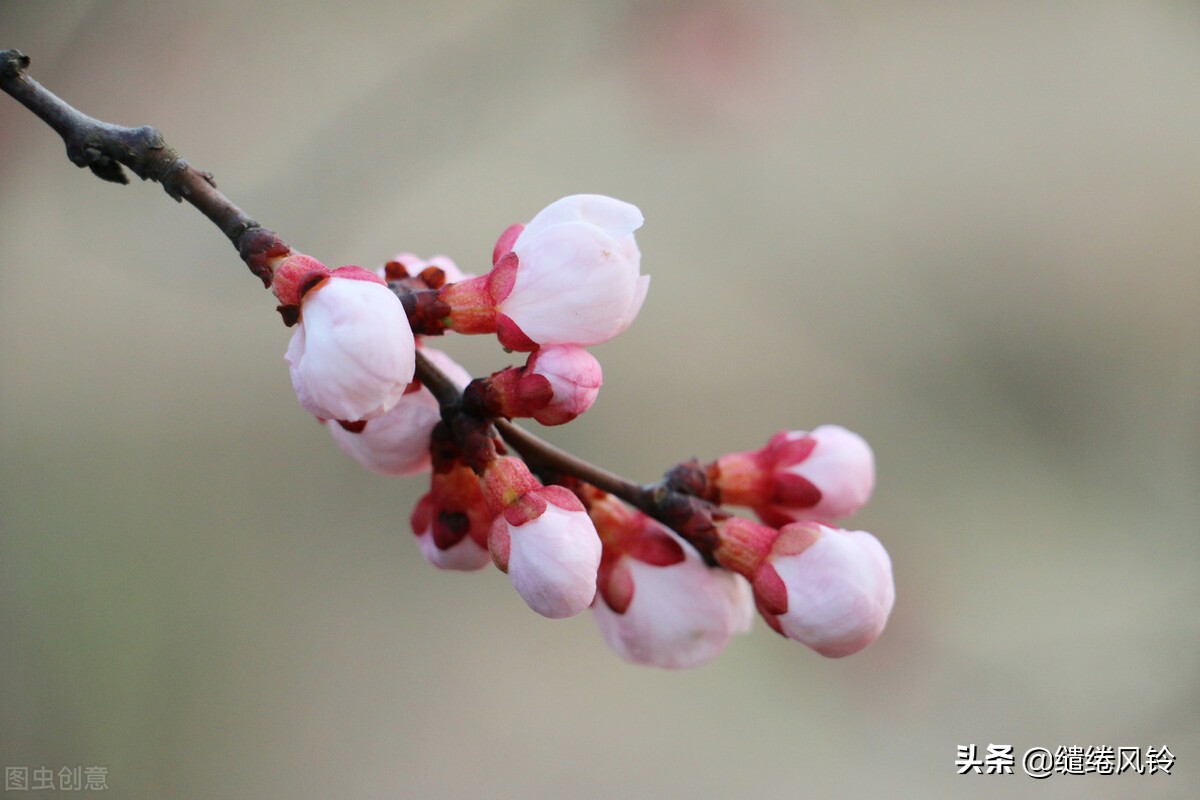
x=658 y=602
x=557 y=384
x=829 y=589
x=543 y=539
x=839 y=588
x=398 y=442
x=825 y=474
x=570 y=277
x=353 y=354
x=575 y=377
x=451 y=522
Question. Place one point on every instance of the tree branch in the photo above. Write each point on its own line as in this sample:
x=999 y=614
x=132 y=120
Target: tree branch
x=106 y=149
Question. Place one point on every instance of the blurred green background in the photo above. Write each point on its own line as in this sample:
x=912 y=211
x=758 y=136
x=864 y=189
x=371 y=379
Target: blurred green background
x=968 y=233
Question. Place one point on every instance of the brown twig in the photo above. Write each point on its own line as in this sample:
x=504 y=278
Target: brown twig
x=105 y=149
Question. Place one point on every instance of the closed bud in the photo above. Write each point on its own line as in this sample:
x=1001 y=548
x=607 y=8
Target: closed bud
x=571 y=276
x=658 y=603
x=420 y=273
x=826 y=474
x=829 y=589
x=543 y=539
x=574 y=376
x=352 y=355
x=557 y=384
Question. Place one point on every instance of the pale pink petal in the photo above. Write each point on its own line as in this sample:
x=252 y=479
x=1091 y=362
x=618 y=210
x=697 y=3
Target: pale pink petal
x=615 y=217
x=575 y=378
x=639 y=297
x=465 y=556
x=681 y=615
x=741 y=600
x=841 y=466
x=577 y=276
x=398 y=442
x=840 y=592
x=573 y=287
x=553 y=561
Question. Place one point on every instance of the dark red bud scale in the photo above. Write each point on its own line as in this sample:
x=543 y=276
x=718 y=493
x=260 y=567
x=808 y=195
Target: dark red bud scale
x=427 y=312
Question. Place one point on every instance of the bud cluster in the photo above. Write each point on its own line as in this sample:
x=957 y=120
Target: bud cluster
x=667 y=572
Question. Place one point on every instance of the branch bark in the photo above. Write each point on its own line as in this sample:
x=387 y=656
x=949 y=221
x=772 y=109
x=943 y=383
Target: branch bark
x=107 y=150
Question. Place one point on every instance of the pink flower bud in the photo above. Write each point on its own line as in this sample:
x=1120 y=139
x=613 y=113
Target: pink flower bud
x=571 y=276
x=451 y=522
x=575 y=377
x=557 y=384
x=352 y=355
x=658 y=603
x=577 y=278
x=825 y=474
x=398 y=442
x=829 y=589
x=543 y=539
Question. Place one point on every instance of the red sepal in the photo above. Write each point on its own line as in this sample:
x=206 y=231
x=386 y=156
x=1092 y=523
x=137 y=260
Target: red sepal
x=504 y=244
x=655 y=548
x=499 y=543
x=770 y=592
x=769 y=618
x=525 y=509
x=617 y=587
x=561 y=497
x=450 y=528
x=785 y=452
x=295 y=276
x=356 y=273
x=795 y=491
x=512 y=337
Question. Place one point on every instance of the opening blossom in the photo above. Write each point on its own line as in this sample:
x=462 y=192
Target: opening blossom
x=571 y=276
x=353 y=354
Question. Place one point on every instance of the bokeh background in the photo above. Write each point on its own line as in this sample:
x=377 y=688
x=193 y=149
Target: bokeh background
x=968 y=232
